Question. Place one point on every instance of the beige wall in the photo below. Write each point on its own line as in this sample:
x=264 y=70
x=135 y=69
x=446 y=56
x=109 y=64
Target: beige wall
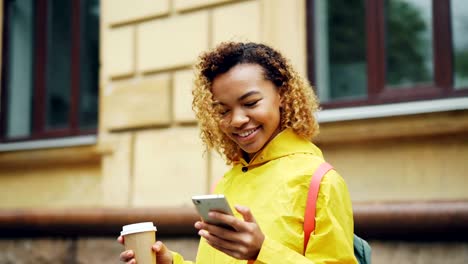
x=415 y=157
x=146 y=81
x=149 y=152
x=146 y=78
x=51 y=178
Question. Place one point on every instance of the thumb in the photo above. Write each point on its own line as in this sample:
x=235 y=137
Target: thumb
x=246 y=213
x=160 y=248
x=163 y=254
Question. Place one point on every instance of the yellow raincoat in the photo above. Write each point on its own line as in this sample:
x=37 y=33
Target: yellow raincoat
x=274 y=185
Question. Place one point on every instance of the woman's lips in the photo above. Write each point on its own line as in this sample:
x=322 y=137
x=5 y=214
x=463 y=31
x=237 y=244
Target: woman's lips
x=246 y=134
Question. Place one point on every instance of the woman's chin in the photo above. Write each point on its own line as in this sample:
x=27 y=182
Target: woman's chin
x=251 y=151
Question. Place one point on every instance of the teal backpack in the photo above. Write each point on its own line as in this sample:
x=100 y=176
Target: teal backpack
x=362 y=250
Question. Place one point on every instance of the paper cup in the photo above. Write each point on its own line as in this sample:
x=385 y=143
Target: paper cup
x=139 y=237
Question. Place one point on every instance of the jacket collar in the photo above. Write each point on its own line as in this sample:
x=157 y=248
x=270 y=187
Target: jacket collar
x=287 y=142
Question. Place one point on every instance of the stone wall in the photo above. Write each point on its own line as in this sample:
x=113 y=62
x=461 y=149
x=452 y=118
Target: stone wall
x=106 y=251
x=76 y=251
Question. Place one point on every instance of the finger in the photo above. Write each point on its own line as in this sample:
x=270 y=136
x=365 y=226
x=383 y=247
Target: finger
x=163 y=254
x=213 y=227
x=198 y=225
x=202 y=225
x=229 y=220
x=246 y=213
x=159 y=247
x=220 y=242
x=222 y=232
x=126 y=255
x=231 y=253
x=120 y=239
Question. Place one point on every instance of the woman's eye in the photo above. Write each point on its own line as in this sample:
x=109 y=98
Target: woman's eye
x=250 y=104
x=224 y=112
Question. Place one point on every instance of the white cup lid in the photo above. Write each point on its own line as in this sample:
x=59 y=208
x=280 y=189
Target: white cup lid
x=137 y=228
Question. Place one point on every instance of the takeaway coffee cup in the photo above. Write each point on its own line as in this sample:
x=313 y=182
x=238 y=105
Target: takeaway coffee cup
x=139 y=237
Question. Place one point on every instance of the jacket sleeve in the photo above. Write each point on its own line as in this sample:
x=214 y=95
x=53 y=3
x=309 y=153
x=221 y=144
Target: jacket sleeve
x=332 y=240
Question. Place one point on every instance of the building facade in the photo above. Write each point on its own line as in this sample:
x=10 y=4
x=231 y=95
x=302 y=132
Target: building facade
x=122 y=144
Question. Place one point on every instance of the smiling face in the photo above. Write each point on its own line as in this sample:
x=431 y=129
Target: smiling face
x=250 y=106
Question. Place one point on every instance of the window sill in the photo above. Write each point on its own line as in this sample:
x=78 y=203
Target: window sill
x=392 y=110
x=395 y=121
x=49 y=143
x=77 y=150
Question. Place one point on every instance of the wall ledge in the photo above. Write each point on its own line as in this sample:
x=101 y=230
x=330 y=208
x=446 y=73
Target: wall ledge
x=414 y=220
x=420 y=125
x=87 y=154
x=391 y=110
x=49 y=143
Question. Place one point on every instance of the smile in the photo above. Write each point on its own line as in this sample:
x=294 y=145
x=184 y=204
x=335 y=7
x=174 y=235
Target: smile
x=247 y=133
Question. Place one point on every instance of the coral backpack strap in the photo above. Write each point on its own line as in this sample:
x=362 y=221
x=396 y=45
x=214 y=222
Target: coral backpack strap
x=309 y=215
x=213 y=186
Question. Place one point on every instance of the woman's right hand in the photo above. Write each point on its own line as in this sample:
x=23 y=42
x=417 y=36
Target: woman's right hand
x=163 y=255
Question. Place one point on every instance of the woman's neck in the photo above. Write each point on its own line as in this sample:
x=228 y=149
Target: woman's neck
x=246 y=156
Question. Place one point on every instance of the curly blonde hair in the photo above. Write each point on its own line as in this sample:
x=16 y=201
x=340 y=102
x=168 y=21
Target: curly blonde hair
x=299 y=102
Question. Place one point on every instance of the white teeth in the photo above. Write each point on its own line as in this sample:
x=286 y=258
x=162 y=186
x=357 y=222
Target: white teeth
x=244 y=134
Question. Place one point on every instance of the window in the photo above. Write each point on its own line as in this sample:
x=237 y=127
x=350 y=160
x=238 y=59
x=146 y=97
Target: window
x=365 y=52
x=459 y=24
x=50 y=69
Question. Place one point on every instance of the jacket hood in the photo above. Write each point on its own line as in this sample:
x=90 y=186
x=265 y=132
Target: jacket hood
x=287 y=142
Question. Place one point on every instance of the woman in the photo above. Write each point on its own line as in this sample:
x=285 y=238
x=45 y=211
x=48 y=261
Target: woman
x=256 y=111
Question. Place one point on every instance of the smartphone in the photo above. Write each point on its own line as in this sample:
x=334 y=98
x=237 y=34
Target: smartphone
x=212 y=202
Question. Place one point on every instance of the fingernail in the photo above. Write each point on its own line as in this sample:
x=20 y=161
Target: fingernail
x=202 y=233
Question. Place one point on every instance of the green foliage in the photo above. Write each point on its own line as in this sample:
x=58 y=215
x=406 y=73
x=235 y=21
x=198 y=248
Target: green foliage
x=405 y=40
x=405 y=43
x=461 y=63
x=346 y=24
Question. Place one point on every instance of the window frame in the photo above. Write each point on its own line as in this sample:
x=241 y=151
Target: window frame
x=377 y=91
x=39 y=131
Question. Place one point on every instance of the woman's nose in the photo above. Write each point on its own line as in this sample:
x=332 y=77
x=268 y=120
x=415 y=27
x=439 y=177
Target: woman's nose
x=239 y=118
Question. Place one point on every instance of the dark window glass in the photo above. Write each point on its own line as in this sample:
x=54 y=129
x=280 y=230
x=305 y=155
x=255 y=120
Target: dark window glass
x=340 y=48
x=58 y=67
x=366 y=52
x=459 y=14
x=51 y=68
x=89 y=37
x=409 y=57
x=20 y=38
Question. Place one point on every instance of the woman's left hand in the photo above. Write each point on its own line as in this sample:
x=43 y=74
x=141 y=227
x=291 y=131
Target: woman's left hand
x=244 y=242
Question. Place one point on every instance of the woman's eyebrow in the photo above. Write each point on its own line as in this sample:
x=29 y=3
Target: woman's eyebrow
x=216 y=103
x=247 y=95
x=242 y=97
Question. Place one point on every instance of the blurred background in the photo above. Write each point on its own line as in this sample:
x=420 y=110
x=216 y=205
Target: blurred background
x=97 y=131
